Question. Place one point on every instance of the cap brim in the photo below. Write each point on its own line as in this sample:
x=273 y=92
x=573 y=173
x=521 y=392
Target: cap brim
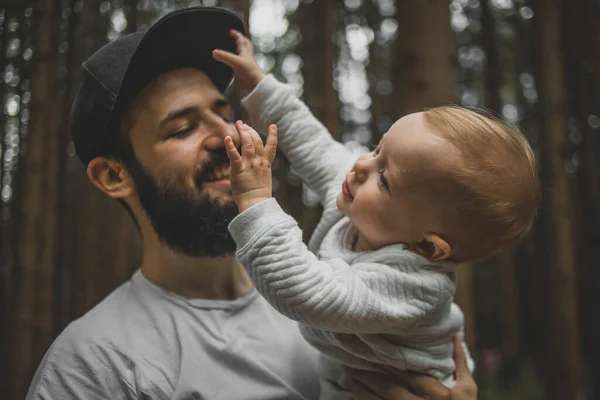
x=184 y=38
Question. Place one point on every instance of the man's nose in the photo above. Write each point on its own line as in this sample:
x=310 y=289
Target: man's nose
x=219 y=132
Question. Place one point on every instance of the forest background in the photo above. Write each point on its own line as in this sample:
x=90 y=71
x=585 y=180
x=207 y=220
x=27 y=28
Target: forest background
x=533 y=314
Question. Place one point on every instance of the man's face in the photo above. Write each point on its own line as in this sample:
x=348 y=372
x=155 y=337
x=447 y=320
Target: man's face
x=181 y=171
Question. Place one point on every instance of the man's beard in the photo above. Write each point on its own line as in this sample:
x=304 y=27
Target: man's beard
x=191 y=223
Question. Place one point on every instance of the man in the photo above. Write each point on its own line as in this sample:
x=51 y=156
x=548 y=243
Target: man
x=149 y=122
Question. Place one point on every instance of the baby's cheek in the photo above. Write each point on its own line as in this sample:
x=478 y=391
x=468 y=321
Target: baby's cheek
x=340 y=204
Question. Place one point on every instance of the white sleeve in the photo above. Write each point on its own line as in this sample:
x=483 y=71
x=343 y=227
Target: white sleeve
x=359 y=298
x=320 y=161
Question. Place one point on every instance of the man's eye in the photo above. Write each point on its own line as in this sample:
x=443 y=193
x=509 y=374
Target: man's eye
x=183 y=132
x=377 y=149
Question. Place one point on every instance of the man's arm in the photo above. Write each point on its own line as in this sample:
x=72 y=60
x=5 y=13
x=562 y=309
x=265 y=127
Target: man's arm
x=77 y=368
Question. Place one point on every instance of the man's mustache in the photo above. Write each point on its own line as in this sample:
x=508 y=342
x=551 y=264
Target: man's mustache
x=216 y=159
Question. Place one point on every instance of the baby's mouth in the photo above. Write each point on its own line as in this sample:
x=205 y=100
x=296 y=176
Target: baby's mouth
x=346 y=190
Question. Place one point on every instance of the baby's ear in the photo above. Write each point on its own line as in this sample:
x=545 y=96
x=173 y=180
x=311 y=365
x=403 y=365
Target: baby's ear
x=433 y=247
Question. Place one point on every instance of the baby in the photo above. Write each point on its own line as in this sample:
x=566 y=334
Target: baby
x=375 y=286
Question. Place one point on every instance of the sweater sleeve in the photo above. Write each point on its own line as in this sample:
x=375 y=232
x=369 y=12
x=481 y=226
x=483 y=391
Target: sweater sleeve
x=363 y=298
x=320 y=161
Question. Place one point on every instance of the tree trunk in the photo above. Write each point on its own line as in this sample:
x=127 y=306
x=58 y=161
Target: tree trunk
x=492 y=60
x=591 y=183
x=37 y=210
x=582 y=33
x=6 y=225
x=373 y=73
x=530 y=264
x=563 y=380
x=131 y=11
x=318 y=23
x=425 y=66
x=318 y=52
x=506 y=262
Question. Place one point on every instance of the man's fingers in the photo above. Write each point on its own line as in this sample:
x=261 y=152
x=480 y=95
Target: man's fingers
x=360 y=391
x=460 y=359
x=382 y=385
x=464 y=380
x=271 y=146
x=419 y=383
x=234 y=157
x=247 y=144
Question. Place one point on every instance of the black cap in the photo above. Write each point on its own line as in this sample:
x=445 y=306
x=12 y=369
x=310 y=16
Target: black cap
x=117 y=72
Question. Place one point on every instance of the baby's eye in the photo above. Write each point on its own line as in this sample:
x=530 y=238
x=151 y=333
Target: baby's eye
x=383 y=181
x=377 y=149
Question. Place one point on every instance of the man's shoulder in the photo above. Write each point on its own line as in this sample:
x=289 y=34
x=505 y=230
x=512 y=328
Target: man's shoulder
x=90 y=357
x=103 y=323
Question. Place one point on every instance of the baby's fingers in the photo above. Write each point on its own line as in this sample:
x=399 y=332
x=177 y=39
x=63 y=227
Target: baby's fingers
x=271 y=146
x=248 y=150
x=232 y=60
x=258 y=144
x=235 y=159
x=244 y=45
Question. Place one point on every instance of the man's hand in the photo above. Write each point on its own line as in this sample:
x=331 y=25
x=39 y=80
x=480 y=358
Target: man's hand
x=247 y=71
x=408 y=385
x=251 y=180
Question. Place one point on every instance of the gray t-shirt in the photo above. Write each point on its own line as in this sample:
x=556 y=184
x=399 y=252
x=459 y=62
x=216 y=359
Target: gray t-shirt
x=144 y=342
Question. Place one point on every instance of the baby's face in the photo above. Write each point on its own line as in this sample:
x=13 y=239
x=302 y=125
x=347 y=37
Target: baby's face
x=384 y=193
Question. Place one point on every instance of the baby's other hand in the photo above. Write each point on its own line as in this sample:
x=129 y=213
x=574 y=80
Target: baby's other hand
x=251 y=180
x=247 y=71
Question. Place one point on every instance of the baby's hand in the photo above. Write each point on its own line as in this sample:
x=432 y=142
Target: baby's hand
x=247 y=71
x=251 y=172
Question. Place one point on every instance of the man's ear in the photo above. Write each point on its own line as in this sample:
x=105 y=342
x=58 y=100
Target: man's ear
x=433 y=247
x=111 y=177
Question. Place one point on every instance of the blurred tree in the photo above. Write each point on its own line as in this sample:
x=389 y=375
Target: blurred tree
x=318 y=22
x=492 y=79
x=375 y=72
x=560 y=330
x=8 y=13
x=504 y=262
x=581 y=32
x=425 y=67
x=36 y=216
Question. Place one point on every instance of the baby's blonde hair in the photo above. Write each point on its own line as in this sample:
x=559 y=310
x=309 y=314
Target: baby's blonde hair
x=495 y=187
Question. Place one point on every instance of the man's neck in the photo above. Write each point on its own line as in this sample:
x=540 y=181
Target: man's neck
x=219 y=278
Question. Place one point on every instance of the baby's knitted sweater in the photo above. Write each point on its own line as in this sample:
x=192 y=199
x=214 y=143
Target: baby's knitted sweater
x=389 y=306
